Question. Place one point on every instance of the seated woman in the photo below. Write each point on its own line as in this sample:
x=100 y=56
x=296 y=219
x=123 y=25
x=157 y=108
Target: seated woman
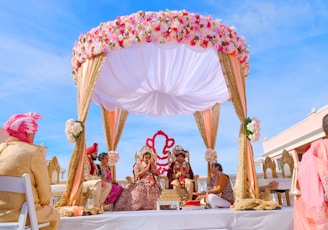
x=144 y=192
x=220 y=192
x=105 y=174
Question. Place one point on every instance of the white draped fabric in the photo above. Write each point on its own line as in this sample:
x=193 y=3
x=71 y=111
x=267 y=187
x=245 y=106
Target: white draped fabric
x=161 y=79
x=214 y=219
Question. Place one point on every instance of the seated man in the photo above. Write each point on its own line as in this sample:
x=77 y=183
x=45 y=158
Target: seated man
x=99 y=187
x=180 y=174
x=19 y=155
x=220 y=193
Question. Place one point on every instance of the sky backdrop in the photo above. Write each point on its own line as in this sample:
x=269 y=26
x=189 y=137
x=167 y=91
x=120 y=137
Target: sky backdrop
x=287 y=39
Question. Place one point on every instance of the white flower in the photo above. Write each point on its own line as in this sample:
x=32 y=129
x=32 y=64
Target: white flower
x=211 y=156
x=73 y=130
x=113 y=158
x=253 y=129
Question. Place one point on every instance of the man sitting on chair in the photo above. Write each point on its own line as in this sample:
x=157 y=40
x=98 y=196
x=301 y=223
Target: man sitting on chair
x=180 y=173
x=19 y=155
x=100 y=187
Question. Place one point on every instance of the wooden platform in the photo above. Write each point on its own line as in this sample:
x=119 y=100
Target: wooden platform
x=184 y=219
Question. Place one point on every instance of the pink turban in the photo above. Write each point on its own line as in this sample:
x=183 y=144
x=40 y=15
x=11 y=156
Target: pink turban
x=20 y=124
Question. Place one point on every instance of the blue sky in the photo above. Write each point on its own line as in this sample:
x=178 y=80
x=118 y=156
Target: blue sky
x=288 y=42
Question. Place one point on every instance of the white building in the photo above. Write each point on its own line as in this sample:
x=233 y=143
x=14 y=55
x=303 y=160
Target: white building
x=295 y=139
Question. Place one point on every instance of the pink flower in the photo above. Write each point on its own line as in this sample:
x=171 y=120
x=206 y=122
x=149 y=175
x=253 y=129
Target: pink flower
x=160 y=27
x=113 y=157
x=211 y=156
x=252 y=127
x=73 y=130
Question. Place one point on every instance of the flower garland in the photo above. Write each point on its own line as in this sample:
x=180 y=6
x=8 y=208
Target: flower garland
x=113 y=158
x=273 y=184
x=211 y=156
x=73 y=130
x=160 y=27
x=252 y=127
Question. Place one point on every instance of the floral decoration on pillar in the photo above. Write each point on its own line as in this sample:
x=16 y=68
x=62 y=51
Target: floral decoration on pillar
x=113 y=158
x=73 y=130
x=211 y=156
x=252 y=127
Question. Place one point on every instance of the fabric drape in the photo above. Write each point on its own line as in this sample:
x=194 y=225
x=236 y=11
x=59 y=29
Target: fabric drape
x=235 y=81
x=114 y=122
x=158 y=80
x=87 y=77
x=208 y=123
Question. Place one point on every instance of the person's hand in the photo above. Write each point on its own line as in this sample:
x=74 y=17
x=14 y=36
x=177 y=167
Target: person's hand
x=199 y=193
x=202 y=193
x=149 y=165
x=139 y=175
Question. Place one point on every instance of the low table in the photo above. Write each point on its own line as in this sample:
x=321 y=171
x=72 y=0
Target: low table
x=168 y=202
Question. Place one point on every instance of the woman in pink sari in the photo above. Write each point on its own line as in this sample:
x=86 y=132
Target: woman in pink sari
x=310 y=208
x=106 y=175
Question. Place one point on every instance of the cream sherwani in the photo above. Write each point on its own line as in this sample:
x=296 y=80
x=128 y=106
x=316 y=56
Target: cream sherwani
x=17 y=158
x=93 y=182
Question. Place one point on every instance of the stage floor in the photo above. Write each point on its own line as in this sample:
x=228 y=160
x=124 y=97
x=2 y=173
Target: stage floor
x=184 y=219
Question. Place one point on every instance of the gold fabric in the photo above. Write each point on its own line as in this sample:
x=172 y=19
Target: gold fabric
x=114 y=122
x=254 y=204
x=87 y=76
x=199 y=117
x=246 y=181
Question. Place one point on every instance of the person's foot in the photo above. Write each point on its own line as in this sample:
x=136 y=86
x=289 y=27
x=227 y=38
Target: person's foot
x=108 y=207
x=100 y=210
x=95 y=210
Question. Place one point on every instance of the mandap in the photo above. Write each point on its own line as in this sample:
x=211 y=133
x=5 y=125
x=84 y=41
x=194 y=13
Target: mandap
x=163 y=63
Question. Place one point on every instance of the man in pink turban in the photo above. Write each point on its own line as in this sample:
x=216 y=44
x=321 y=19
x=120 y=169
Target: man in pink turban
x=18 y=155
x=23 y=126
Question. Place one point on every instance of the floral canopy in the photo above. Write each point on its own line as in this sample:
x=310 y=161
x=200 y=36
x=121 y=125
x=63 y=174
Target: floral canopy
x=162 y=63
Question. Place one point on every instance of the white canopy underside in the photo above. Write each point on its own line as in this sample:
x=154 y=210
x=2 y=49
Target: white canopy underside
x=161 y=79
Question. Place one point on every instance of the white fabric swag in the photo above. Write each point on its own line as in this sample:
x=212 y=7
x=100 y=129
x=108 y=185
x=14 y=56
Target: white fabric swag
x=161 y=79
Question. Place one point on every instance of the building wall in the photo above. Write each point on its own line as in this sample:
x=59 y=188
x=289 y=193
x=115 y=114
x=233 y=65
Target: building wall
x=295 y=139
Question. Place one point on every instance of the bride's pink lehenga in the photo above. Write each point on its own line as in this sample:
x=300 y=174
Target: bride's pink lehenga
x=310 y=209
x=140 y=195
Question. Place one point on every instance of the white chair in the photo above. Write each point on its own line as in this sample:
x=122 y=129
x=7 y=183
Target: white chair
x=21 y=185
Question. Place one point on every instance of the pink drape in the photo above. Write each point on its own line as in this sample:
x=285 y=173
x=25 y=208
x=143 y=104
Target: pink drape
x=112 y=118
x=114 y=122
x=208 y=126
x=86 y=79
x=241 y=98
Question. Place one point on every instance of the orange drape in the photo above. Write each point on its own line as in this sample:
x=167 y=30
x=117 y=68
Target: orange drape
x=114 y=122
x=236 y=85
x=207 y=122
x=86 y=80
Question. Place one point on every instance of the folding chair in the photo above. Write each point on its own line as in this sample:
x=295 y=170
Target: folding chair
x=21 y=185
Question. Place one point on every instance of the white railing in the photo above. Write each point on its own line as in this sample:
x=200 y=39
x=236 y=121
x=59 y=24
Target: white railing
x=202 y=182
